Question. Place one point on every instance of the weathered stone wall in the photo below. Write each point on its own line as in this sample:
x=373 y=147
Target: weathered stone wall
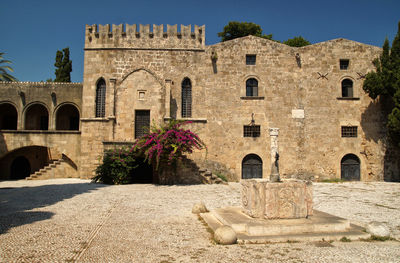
x=52 y=96
x=302 y=97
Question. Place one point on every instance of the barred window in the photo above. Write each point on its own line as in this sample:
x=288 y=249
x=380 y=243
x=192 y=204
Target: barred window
x=344 y=64
x=186 y=98
x=142 y=122
x=349 y=131
x=251 y=131
x=251 y=88
x=250 y=59
x=101 y=98
x=347 y=88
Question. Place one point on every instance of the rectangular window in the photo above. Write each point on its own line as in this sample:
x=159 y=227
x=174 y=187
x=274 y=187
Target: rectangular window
x=349 y=131
x=251 y=131
x=344 y=64
x=250 y=59
x=142 y=122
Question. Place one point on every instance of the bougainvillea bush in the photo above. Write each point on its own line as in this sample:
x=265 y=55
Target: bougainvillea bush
x=167 y=144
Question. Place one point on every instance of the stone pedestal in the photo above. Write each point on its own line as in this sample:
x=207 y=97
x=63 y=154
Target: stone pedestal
x=277 y=200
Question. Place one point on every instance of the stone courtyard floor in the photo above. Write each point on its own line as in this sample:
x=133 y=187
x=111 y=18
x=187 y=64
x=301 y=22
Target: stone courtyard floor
x=72 y=220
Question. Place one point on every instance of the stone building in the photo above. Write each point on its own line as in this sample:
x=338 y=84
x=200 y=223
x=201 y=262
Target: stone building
x=233 y=92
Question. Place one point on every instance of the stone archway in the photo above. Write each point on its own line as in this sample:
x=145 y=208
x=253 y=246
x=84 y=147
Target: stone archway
x=67 y=118
x=251 y=166
x=350 y=168
x=8 y=117
x=37 y=117
x=20 y=168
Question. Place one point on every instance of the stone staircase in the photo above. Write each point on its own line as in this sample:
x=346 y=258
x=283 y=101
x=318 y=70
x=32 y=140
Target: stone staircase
x=56 y=169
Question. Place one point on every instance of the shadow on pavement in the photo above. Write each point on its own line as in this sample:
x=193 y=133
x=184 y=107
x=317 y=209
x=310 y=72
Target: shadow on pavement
x=16 y=203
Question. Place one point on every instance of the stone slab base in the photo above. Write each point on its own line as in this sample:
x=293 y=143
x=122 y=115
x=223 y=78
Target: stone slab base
x=319 y=226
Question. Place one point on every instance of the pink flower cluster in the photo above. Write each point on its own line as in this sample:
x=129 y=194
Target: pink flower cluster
x=167 y=144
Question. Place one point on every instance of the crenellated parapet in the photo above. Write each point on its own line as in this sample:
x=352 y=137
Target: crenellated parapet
x=144 y=37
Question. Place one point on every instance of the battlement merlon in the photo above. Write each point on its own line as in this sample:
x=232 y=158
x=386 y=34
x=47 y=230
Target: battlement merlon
x=142 y=37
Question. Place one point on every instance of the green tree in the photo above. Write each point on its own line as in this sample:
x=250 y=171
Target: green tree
x=4 y=75
x=385 y=82
x=236 y=29
x=63 y=66
x=297 y=42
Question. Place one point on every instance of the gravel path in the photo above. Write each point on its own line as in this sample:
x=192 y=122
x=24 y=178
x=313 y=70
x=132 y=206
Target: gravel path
x=72 y=220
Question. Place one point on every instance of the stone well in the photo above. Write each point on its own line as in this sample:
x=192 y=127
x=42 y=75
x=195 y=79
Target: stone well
x=277 y=200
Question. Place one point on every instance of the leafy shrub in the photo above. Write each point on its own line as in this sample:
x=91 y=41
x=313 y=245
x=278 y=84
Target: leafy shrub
x=223 y=177
x=116 y=167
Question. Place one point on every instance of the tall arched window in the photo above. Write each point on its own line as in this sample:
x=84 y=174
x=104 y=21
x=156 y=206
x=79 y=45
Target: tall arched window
x=101 y=98
x=186 y=98
x=347 y=88
x=251 y=88
x=251 y=167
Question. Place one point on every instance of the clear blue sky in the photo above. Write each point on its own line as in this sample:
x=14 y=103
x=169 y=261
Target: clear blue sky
x=33 y=30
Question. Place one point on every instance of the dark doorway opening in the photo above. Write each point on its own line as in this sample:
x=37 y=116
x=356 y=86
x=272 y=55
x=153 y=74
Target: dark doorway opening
x=20 y=168
x=143 y=174
x=350 y=168
x=251 y=167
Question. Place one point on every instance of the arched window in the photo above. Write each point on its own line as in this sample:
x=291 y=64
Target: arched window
x=8 y=117
x=101 y=98
x=350 y=168
x=347 y=88
x=37 y=118
x=251 y=88
x=67 y=118
x=186 y=98
x=251 y=167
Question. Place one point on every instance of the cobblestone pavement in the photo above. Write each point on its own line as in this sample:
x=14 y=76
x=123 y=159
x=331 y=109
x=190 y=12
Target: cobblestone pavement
x=72 y=220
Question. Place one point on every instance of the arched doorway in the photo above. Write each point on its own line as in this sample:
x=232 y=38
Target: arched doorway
x=350 y=168
x=251 y=167
x=67 y=118
x=20 y=168
x=8 y=117
x=37 y=118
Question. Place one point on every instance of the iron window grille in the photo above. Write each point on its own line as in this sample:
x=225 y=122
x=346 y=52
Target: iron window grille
x=142 y=122
x=250 y=59
x=186 y=98
x=251 y=131
x=251 y=88
x=101 y=98
x=344 y=64
x=349 y=131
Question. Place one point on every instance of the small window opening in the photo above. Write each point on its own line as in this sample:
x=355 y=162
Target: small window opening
x=250 y=59
x=349 y=131
x=344 y=64
x=347 y=88
x=251 y=88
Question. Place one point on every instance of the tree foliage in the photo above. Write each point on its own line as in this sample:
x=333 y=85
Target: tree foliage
x=4 y=75
x=385 y=82
x=297 y=42
x=236 y=29
x=63 y=66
